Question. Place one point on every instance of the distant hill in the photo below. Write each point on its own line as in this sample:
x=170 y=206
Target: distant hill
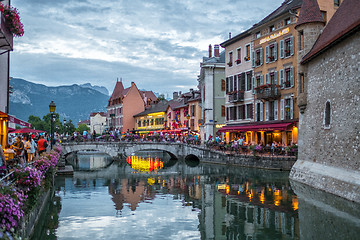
x=101 y=89
x=73 y=102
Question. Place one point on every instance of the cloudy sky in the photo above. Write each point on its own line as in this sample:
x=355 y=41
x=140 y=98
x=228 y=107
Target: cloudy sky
x=158 y=44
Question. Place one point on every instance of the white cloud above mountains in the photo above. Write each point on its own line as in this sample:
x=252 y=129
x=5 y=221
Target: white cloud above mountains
x=158 y=44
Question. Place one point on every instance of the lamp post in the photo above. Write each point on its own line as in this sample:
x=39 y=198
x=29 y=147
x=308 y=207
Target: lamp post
x=64 y=126
x=52 y=107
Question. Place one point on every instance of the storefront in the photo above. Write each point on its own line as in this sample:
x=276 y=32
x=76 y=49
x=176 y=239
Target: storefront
x=3 y=129
x=255 y=133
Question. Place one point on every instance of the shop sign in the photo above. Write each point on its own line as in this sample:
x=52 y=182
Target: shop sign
x=275 y=35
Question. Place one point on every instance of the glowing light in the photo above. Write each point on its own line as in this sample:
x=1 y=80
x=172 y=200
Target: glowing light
x=277 y=197
x=295 y=203
x=145 y=164
x=227 y=189
x=262 y=196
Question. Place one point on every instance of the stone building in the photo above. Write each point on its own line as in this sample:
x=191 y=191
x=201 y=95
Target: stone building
x=98 y=122
x=329 y=79
x=212 y=88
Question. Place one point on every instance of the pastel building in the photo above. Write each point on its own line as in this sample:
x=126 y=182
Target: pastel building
x=98 y=122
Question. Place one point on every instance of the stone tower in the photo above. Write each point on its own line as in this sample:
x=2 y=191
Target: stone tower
x=309 y=26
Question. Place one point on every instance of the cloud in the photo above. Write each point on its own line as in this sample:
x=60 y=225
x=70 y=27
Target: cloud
x=154 y=43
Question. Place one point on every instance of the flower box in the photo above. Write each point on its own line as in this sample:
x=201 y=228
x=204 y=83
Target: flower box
x=238 y=61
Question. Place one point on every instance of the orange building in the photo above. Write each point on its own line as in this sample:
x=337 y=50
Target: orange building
x=125 y=103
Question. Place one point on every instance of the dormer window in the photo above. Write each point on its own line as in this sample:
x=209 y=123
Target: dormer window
x=287 y=21
x=257 y=35
x=271 y=28
x=336 y=3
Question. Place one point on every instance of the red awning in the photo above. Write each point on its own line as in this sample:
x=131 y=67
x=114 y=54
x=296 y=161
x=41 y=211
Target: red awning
x=256 y=127
x=18 y=121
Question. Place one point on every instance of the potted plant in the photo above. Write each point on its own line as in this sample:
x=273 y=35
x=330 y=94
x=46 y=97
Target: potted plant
x=12 y=19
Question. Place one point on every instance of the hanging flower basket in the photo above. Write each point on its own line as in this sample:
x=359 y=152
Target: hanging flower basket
x=12 y=19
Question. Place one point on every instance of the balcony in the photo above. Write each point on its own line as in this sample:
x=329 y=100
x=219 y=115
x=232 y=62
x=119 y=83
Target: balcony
x=237 y=96
x=6 y=37
x=268 y=92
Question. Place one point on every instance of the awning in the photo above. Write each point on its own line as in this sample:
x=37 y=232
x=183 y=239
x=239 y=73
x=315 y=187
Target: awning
x=256 y=127
x=18 y=121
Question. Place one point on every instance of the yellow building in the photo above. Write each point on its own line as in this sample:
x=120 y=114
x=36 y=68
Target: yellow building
x=152 y=119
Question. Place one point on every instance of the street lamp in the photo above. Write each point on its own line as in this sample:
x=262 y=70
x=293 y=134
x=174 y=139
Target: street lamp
x=52 y=107
x=64 y=126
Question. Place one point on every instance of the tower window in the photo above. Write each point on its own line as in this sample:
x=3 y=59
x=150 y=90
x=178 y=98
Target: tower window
x=327 y=115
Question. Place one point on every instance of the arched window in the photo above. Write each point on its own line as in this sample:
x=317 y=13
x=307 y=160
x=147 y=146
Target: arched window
x=327 y=116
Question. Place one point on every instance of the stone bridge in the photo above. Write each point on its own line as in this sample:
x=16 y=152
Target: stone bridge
x=125 y=149
x=181 y=151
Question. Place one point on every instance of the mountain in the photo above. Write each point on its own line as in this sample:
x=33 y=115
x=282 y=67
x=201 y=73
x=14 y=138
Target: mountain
x=72 y=102
x=101 y=89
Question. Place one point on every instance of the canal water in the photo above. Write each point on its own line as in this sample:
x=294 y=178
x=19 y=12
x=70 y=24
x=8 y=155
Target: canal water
x=153 y=196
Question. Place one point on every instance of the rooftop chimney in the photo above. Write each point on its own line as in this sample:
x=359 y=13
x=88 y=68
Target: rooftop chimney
x=229 y=35
x=210 y=51
x=132 y=83
x=216 y=50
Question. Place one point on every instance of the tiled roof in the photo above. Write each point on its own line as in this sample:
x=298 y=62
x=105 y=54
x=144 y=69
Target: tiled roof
x=236 y=38
x=285 y=7
x=345 y=22
x=310 y=12
x=220 y=59
x=159 y=107
x=118 y=91
x=94 y=113
x=149 y=94
x=87 y=122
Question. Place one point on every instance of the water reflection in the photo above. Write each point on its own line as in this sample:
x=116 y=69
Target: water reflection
x=179 y=202
x=89 y=160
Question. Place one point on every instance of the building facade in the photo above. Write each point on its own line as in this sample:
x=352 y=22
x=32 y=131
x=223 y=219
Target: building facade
x=212 y=88
x=98 y=122
x=329 y=138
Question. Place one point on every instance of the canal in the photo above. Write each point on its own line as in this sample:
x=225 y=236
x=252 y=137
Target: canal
x=152 y=196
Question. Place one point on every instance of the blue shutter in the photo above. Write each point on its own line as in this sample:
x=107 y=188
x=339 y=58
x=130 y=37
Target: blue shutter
x=253 y=84
x=292 y=45
x=275 y=51
x=261 y=112
x=267 y=54
x=292 y=76
x=261 y=80
x=282 y=115
x=267 y=80
x=281 y=48
x=276 y=78
x=253 y=58
x=261 y=57
x=276 y=109
x=282 y=78
x=266 y=111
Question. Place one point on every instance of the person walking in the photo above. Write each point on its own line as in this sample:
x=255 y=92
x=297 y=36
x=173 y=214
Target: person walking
x=18 y=147
x=42 y=145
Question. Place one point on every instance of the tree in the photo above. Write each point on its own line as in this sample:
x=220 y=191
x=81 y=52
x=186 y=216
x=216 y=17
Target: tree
x=83 y=127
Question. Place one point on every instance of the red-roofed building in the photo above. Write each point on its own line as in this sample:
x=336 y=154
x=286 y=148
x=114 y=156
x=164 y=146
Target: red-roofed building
x=329 y=102
x=125 y=103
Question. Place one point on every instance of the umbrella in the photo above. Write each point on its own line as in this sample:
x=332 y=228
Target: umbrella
x=26 y=130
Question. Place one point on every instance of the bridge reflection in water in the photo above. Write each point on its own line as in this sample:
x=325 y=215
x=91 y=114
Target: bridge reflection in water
x=175 y=202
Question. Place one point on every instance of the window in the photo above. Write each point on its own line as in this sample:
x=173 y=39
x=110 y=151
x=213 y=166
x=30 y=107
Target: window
x=327 y=115
x=238 y=53
x=223 y=85
x=258 y=111
x=287 y=77
x=271 y=53
x=336 y=3
x=287 y=109
x=241 y=112
x=323 y=14
x=249 y=111
x=271 y=28
x=247 y=57
x=301 y=87
x=230 y=59
x=222 y=110
x=257 y=35
x=287 y=47
x=193 y=110
x=257 y=57
x=232 y=113
x=301 y=40
x=287 y=21
x=271 y=110
x=248 y=81
x=139 y=123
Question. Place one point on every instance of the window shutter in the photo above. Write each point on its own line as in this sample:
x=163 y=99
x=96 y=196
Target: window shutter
x=276 y=109
x=235 y=83
x=281 y=48
x=243 y=81
x=253 y=58
x=227 y=85
x=276 y=78
x=266 y=111
x=282 y=109
x=261 y=80
x=256 y=111
x=275 y=51
x=291 y=108
x=267 y=54
x=267 y=81
x=253 y=84
x=282 y=78
x=227 y=114
x=261 y=111
x=292 y=45
x=231 y=84
x=261 y=56
x=292 y=76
